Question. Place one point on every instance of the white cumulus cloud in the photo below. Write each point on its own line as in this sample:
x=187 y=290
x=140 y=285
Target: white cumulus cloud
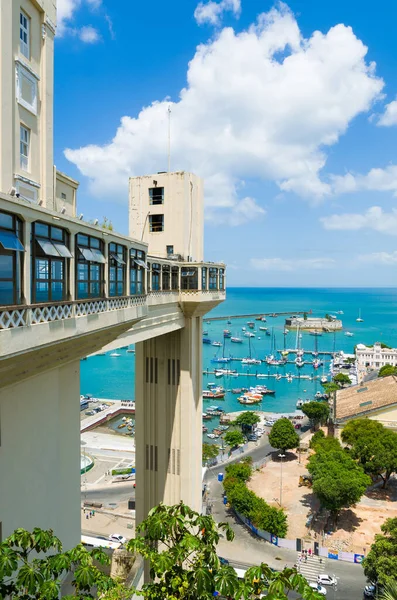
x=376 y=180
x=211 y=12
x=389 y=117
x=291 y=264
x=374 y=218
x=66 y=10
x=379 y=258
x=263 y=103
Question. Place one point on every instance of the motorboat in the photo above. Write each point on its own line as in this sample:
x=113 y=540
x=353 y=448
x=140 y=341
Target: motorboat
x=221 y=359
x=349 y=334
x=246 y=399
x=318 y=333
x=131 y=350
x=316 y=363
x=251 y=361
x=284 y=353
x=251 y=324
x=299 y=362
x=243 y=329
x=340 y=312
x=286 y=331
x=249 y=334
x=299 y=403
x=205 y=332
x=324 y=379
x=213 y=394
x=359 y=319
x=236 y=340
x=227 y=333
x=206 y=341
x=278 y=377
x=212 y=436
x=263 y=328
x=268 y=333
x=229 y=322
x=114 y=354
x=263 y=319
x=217 y=344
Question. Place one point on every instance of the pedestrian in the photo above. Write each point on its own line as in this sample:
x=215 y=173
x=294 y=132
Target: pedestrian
x=310 y=551
x=93 y=513
x=305 y=557
x=86 y=516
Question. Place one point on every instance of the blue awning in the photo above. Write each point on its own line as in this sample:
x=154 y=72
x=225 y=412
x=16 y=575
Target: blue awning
x=9 y=240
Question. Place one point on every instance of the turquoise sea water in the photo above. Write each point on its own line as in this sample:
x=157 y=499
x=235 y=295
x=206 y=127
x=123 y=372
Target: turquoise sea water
x=109 y=377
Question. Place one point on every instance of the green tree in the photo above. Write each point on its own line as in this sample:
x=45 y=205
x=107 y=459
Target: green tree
x=316 y=439
x=234 y=438
x=32 y=566
x=387 y=370
x=330 y=387
x=240 y=471
x=389 y=592
x=210 y=452
x=380 y=564
x=247 y=420
x=180 y=546
x=374 y=446
x=305 y=316
x=283 y=435
x=317 y=412
x=341 y=379
x=338 y=481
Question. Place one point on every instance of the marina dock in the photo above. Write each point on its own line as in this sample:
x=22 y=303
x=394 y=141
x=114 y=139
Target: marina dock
x=264 y=375
x=257 y=315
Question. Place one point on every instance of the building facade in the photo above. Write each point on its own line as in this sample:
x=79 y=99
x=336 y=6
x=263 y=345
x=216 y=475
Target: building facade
x=375 y=356
x=70 y=288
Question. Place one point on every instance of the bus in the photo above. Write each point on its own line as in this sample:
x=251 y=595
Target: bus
x=94 y=542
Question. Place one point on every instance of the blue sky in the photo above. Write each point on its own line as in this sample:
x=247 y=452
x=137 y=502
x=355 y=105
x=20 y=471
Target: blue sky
x=288 y=112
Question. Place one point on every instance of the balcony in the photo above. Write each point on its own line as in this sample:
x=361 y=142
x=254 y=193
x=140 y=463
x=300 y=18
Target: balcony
x=63 y=279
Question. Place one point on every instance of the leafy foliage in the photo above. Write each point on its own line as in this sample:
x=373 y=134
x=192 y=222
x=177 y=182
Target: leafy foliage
x=246 y=420
x=341 y=379
x=210 y=452
x=330 y=387
x=389 y=592
x=387 y=370
x=24 y=575
x=338 y=481
x=374 y=446
x=317 y=412
x=234 y=438
x=316 y=438
x=181 y=547
x=283 y=435
x=248 y=504
x=380 y=564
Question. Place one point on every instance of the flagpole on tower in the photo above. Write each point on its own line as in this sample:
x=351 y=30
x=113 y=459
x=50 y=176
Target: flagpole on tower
x=169 y=139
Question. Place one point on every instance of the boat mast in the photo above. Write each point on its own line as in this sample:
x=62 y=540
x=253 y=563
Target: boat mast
x=249 y=346
x=224 y=342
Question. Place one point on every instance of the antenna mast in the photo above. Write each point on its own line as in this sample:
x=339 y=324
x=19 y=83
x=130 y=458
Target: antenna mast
x=169 y=139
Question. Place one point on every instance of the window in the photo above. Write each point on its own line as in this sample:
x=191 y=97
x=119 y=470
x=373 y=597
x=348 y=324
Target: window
x=90 y=267
x=26 y=89
x=156 y=223
x=170 y=250
x=149 y=274
x=24 y=35
x=166 y=277
x=24 y=145
x=11 y=257
x=156 y=270
x=189 y=279
x=63 y=196
x=213 y=279
x=175 y=278
x=221 y=279
x=137 y=271
x=204 y=278
x=156 y=195
x=50 y=260
x=117 y=269
x=27 y=191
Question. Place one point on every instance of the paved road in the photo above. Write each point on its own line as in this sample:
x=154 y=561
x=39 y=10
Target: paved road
x=109 y=494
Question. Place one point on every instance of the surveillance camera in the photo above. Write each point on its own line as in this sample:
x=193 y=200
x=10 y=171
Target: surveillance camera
x=12 y=191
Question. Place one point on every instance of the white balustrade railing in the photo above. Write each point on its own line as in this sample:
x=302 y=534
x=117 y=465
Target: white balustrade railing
x=11 y=317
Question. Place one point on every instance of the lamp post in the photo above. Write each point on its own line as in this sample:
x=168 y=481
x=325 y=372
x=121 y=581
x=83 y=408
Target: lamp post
x=281 y=456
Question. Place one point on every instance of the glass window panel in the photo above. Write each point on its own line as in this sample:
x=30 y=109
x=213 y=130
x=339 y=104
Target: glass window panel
x=95 y=272
x=98 y=256
x=112 y=289
x=133 y=288
x=6 y=266
x=6 y=292
x=120 y=272
x=6 y=221
x=88 y=255
x=42 y=269
x=95 y=243
x=57 y=269
x=133 y=252
x=28 y=91
x=57 y=291
x=112 y=273
x=48 y=248
x=82 y=289
x=112 y=247
x=120 y=289
x=41 y=291
x=94 y=290
x=133 y=275
x=82 y=239
x=141 y=263
x=41 y=230
x=10 y=241
x=82 y=271
x=57 y=234
x=63 y=250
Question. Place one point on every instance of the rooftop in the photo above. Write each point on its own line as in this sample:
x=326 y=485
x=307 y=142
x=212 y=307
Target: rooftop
x=360 y=400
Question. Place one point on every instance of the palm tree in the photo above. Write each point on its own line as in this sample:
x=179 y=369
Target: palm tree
x=389 y=592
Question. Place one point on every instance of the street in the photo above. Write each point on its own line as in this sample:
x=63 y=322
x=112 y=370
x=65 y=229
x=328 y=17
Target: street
x=112 y=493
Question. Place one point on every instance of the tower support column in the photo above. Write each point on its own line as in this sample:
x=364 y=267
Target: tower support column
x=168 y=404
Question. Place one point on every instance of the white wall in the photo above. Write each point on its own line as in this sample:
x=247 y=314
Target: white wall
x=40 y=482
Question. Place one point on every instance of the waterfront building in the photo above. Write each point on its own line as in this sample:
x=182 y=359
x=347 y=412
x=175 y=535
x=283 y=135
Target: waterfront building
x=375 y=356
x=314 y=323
x=69 y=288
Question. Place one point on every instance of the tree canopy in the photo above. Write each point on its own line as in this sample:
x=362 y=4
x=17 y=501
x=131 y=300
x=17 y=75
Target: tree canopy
x=317 y=412
x=341 y=379
x=380 y=564
x=234 y=438
x=247 y=419
x=374 y=446
x=283 y=435
x=210 y=452
x=387 y=370
x=338 y=481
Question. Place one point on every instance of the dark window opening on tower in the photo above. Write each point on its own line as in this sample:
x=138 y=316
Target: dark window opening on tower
x=156 y=195
x=156 y=223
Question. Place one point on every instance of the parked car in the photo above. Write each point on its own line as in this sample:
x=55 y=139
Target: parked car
x=117 y=537
x=319 y=588
x=252 y=437
x=326 y=580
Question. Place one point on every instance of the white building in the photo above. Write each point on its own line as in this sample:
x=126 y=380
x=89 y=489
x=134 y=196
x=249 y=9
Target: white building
x=376 y=356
